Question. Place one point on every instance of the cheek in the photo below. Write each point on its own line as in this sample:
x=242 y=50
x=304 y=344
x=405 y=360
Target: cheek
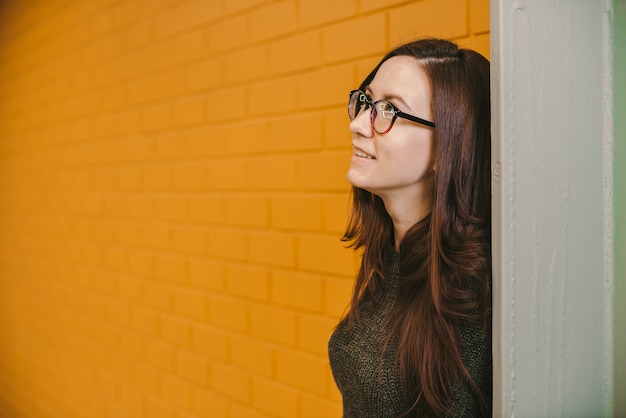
x=418 y=158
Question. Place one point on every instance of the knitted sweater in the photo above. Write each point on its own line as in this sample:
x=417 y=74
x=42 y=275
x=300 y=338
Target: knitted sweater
x=374 y=390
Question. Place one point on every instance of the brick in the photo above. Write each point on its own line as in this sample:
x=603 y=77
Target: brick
x=207 y=142
x=155 y=407
x=157 y=177
x=171 y=269
x=228 y=34
x=113 y=98
x=338 y=295
x=315 y=331
x=229 y=313
x=246 y=138
x=170 y=146
x=156 y=117
x=155 y=236
x=188 y=47
x=295 y=53
x=130 y=289
x=335 y=212
x=250 y=354
x=336 y=132
x=210 y=341
x=479 y=16
x=128 y=179
x=130 y=343
x=227 y=104
x=448 y=22
x=233 y=382
x=192 y=367
x=274 y=398
x=188 y=112
x=139 y=34
x=144 y=321
x=246 y=65
x=325 y=87
x=176 y=391
x=162 y=86
x=184 y=414
x=141 y=206
x=191 y=304
x=131 y=396
x=174 y=330
x=325 y=254
x=301 y=291
x=160 y=355
x=371 y=30
x=272 y=248
x=248 y=281
x=296 y=212
x=273 y=324
x=263 y=20
x=281 y=131
x=291 y=365
x=157 y=296
x=205 y=209
x=128 y=122
x=371 y=5
x=479 y=43
x=188 y=15
x=139 y=148
x=273 y=172
x=315 y=12
x=245 y=411
x=228 y=244
x=246 y=211
x=276 y=96
x=117 y=312
x=207 y=74
x=105 y=283
x=324 y=171
x=190 y=240
x=116 y=205
x=233 y=6
x=141 y=263
x=145 y=377
x=317 y=406
x=206 y=274
x=207 y=403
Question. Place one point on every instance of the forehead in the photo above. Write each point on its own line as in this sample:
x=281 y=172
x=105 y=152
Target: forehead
x=402 y=76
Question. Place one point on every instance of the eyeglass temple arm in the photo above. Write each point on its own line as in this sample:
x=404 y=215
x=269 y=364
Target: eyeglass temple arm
x=415 y=119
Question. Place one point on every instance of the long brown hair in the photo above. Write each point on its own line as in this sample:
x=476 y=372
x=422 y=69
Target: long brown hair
x=445 y=259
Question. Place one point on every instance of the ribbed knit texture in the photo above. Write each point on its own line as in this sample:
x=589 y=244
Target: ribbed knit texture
x=371 y=389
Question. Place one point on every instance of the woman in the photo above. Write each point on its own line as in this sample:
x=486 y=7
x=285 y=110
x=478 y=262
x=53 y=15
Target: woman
x=416 y=340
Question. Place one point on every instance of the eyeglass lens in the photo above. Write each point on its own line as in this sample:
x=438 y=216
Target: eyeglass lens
x=382 y=111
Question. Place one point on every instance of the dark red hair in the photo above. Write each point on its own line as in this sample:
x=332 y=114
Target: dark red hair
x=445 y=259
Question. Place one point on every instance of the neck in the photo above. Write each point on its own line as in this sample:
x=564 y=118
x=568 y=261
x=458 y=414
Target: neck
x=405 y=213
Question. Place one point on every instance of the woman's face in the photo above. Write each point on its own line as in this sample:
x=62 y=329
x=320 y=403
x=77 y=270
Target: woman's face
x=400 y=163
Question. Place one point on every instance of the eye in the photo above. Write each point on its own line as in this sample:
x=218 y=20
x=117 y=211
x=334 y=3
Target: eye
x=385 y=109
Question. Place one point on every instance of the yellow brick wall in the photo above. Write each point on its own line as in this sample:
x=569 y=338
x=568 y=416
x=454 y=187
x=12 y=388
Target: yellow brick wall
x=172 y=193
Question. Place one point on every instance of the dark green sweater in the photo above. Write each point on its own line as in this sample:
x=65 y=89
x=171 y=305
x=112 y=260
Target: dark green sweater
x=373 y=390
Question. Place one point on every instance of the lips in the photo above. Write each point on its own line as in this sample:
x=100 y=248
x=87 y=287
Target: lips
x=360 y=153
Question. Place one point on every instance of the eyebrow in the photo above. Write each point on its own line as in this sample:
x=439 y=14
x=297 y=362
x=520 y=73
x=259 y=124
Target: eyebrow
x=369 y=91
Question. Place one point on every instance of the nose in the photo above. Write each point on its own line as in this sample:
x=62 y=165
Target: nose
x=362 y=124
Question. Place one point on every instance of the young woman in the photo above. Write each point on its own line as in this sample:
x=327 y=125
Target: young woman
x=416 y=340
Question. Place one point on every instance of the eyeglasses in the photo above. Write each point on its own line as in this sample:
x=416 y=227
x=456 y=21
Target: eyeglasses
x=383 y=114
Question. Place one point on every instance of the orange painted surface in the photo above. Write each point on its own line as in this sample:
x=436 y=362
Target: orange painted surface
x=172 y=193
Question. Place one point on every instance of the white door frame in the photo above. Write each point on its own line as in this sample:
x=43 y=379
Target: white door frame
x=552 y=211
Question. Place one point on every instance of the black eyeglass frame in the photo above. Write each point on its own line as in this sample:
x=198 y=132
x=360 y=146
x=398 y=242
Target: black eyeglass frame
x=397 y=113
